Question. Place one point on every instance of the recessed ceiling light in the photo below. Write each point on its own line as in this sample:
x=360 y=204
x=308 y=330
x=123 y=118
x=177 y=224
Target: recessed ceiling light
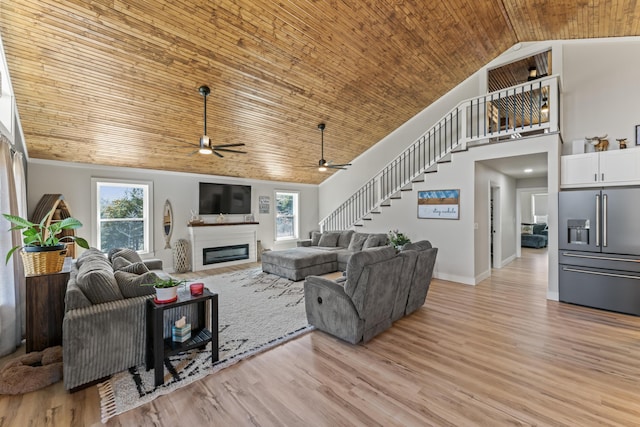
x=529 y=170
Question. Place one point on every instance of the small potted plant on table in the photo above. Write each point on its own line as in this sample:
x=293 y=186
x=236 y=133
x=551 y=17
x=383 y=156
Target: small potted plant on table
x=166 y=289
x=43 y=248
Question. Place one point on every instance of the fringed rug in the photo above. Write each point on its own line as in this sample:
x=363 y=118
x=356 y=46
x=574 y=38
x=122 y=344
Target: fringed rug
x=257 y=311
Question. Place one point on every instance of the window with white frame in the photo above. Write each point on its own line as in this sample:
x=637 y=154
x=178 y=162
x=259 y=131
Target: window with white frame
x=286 y=208
x=122 y=216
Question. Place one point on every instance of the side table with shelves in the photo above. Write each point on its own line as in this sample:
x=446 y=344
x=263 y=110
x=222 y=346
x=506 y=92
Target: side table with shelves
x=160 y=348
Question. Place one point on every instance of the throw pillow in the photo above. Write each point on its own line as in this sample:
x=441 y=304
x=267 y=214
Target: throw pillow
x=357 y=240
x=89 y=254
x=92 y=263
x=526 y=229
x=374 y=241
x=120 y=262
x=329 y=239
x=135 y=268
x=99 y=286
x=315 y=238
x=130 y=284
x=128 y=254
x=345 y=238
x=111 y=252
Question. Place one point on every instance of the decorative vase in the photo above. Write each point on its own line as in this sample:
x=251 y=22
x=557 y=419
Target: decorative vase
x=166 y=294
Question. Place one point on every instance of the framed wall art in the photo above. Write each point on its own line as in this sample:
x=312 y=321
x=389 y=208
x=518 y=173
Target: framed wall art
x=439 y=204
x=263 y=204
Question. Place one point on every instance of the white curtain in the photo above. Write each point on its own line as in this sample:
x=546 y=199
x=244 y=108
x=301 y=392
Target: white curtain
x=19 y=176
x=10 y=316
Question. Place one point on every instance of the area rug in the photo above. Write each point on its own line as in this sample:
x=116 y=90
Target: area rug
x=257 y=311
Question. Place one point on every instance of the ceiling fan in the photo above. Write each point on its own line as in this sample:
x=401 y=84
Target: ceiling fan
x=323 y=165
x=206 y=147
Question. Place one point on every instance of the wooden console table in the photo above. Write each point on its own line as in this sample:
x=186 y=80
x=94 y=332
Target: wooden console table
x=45 y=308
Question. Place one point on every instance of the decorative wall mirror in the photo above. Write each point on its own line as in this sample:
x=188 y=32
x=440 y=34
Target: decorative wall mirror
x=167 y=223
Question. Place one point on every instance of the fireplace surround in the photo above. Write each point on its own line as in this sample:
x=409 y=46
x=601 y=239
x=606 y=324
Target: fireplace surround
x=221 y=245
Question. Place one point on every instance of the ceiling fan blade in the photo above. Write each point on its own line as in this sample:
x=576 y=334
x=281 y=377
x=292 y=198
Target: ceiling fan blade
x=336 y=167
x=331 y=165
x=218 y=154
x=240 y=144
x=192 y=153
x=226 y=150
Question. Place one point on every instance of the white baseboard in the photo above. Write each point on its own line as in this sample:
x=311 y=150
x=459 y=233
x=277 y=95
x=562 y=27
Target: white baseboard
x=553 y=295
x=508 y=260
x=455 y=278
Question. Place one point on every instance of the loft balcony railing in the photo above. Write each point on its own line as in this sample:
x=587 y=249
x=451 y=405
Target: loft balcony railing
x=526 y=109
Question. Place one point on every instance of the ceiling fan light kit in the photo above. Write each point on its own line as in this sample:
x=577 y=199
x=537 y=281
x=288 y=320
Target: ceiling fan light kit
x=205 y=145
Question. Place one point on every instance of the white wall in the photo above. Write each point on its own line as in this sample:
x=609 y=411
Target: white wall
x=600 y=89
x=73 y=181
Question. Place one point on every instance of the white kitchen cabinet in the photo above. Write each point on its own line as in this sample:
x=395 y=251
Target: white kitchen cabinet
x=616 y=167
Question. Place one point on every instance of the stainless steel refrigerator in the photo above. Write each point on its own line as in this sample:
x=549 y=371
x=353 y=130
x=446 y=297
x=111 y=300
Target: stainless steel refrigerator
x=599 y=242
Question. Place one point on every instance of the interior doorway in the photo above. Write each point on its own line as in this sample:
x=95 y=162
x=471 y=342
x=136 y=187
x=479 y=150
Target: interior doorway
x=495 y=227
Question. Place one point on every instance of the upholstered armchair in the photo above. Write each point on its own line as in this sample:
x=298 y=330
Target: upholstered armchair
x=360 y=307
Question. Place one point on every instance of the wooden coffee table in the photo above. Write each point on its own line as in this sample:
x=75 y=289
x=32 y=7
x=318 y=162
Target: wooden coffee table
x=160 y=348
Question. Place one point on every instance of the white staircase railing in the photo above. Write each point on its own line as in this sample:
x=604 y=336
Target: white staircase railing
x=526 y=109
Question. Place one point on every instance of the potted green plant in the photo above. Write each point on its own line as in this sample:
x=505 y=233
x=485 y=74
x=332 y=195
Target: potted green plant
x=43 y=247
x=166 y=289
x=398 y=239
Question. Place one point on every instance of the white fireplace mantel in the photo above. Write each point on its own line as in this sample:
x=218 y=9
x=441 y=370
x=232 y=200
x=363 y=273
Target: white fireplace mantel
x=226 y=234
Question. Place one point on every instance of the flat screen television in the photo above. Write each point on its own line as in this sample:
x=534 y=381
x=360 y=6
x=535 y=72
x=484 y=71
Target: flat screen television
x=224 y=199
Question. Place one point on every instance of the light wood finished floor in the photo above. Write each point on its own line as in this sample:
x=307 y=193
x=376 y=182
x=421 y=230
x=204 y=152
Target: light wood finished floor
x=495 y=354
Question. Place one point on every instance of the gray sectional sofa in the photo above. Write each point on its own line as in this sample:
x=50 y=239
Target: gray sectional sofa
x=380 y=287
x=323 y=253
x=534 y=235
x=104 y=325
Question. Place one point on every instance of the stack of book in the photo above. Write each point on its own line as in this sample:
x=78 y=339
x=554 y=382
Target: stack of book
x=181 y=334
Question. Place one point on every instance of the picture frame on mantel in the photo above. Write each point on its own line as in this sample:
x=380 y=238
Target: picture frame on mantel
x=439 y=204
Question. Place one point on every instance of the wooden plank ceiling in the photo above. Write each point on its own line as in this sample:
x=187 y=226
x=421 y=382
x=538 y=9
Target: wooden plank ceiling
x=115 y=82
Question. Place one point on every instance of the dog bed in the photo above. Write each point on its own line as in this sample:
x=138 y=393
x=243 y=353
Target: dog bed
x=31 y=371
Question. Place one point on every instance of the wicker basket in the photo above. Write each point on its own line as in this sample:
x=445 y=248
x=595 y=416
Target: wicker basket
x=48 y=262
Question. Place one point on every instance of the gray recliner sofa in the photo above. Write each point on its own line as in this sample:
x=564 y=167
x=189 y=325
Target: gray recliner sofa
x=380 y=286
x=360 y=308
